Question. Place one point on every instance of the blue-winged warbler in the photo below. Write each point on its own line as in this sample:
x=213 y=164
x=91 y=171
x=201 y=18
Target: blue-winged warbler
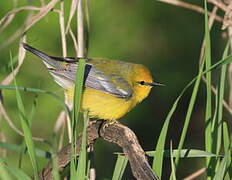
x=112 y=87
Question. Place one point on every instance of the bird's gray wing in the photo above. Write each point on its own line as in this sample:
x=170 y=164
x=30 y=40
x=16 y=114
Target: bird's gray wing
x=96 y=79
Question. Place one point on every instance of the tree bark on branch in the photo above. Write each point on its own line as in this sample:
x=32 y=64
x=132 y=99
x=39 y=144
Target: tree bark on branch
x=113 y=133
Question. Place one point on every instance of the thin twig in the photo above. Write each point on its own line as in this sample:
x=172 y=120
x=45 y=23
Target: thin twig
x=21 y=57
x=61 y=140
x=195 y=174
x=213 y=89
x=3 y=152
x=92 y=170
x=190 y=6
x=17 y=10
x=62 y=29
x=74 y=41
x=225 y=104
x=59 y=121
x=80 y=30
x=230 y=86
x=71 y=14
x=211 y=21
x=219 y=4
x=31 y=20
x=11 y=124
x=230 y=65
x=43 y=11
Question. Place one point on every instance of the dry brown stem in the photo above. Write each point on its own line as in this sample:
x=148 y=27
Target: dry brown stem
x=43 y=11
x=7 y=19
x=113 y=133
x=191 y=7
x=21 y=56
x=4 y=114
x=71 y=14
x=219 y=4
x=195 y=174
x=80 y=30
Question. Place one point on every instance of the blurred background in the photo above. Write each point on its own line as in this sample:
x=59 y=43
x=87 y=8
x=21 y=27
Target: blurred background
x=165 y=38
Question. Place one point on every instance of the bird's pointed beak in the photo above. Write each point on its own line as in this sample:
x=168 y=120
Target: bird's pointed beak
x=155 y=84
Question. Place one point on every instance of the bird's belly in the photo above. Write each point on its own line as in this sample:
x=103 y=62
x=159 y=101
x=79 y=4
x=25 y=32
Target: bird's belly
x=105 y=106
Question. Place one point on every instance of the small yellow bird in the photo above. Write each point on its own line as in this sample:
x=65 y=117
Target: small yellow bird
x=112 y=87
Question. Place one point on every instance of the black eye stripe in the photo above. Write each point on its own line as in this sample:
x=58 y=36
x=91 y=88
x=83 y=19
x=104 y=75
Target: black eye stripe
x=141 y=82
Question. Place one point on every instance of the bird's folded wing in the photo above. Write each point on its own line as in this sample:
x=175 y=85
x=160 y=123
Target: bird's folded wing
x=96 y=79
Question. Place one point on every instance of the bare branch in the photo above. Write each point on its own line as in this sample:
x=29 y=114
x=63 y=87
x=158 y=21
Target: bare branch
x=114 y=133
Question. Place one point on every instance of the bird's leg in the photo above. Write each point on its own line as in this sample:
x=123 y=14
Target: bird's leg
x=109 y=122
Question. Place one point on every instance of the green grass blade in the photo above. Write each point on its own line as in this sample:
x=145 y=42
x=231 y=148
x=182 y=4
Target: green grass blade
x=208 y=112
x=184 y=153
x=221 y=91
x=221 y=170
x=119 y=167
x=172 y=163
x=4 y=174
x=158 y=160
x=81 y=168
x=55 y=168
x=75 y=117
x=189 y=112
x=78 y=93
x=17 y=148
x=37 y=90
x=27 y=134
x=216 y=129
x=30 y=144
x=227 y=149
x=33 y=109
x=194 y=94
x=17 y=173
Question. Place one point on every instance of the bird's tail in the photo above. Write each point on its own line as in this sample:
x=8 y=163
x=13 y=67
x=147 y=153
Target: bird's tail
x=56 y=68
x=50 y=61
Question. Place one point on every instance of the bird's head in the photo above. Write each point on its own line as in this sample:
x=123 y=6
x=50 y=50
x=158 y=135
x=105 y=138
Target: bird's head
x=142 y=82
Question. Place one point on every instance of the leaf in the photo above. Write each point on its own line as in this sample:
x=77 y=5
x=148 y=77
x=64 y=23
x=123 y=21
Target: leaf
x=172 y=164
x=17 y=148
x=27 y=133
x=119 y=167
x=4 y=174
x=81 y=168
x=184 y=153
x=221 y=170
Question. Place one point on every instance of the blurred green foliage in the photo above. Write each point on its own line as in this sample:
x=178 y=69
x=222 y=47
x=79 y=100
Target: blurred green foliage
x=165 y=38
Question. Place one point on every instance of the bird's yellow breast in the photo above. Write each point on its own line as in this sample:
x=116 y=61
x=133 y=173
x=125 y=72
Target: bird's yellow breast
x=108 y=106
x=103 y=105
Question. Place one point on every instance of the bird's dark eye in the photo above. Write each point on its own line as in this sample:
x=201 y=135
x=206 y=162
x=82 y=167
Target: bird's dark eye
x=141 y=82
